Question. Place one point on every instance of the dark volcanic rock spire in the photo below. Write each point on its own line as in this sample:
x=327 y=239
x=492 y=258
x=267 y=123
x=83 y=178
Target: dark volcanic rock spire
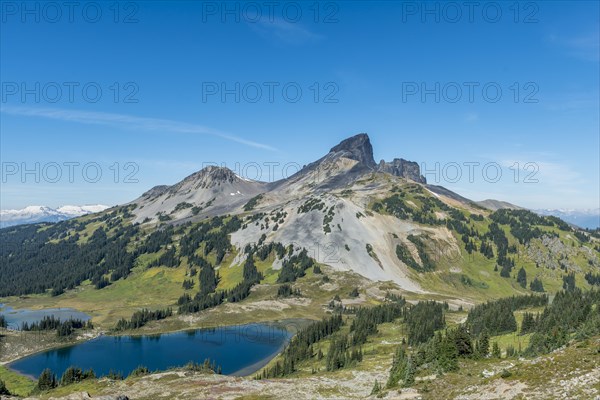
x=403 y=168
x=357 y=148
x=330 y=174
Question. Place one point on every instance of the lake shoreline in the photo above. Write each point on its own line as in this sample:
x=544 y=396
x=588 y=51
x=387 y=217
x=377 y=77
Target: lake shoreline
x=291 y=326
x=55 y=346
x=257 y=366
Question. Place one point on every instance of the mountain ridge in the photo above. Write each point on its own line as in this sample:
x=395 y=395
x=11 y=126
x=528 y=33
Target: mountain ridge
x=348 y=211
x=586 y=218
x=345 y=163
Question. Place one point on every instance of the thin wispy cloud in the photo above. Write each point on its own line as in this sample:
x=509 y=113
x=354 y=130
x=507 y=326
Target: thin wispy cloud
x=533 y=179
x=128 y=122
x=284 y=31
x=529 y=183
x=546 y=172
x=585 y=47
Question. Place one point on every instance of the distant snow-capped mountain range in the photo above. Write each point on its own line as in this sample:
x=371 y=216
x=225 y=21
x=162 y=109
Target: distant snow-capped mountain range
x=583 y=218
x=35 y=214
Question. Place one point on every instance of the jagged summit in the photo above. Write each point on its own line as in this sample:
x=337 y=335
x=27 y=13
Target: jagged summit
x=403 y=168
x=357 y=148
x=345 y=162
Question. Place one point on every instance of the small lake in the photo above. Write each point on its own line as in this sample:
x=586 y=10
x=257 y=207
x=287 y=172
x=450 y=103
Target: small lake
x=14 y=318
x=239 y=350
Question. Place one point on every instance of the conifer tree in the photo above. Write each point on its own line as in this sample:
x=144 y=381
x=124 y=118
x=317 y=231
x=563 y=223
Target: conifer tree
x=536 y=285
x=483 y=345
x=496 y=351
x=522 y=277
x=569 y=282
x=71 y=375
x=47 y=380
x=397 y=371
x=409 y=374
x=376 y=388
x=3 y=389
x=528 y=324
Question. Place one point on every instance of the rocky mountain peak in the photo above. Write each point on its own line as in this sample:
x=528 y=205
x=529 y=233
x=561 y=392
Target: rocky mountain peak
x=213 y=174
x=403 y=168
x=357 y=148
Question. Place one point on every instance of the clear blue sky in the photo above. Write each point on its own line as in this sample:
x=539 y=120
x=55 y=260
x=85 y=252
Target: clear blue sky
x=373 y=58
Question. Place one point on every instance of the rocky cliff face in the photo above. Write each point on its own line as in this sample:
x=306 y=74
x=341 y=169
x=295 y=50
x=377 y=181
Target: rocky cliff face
x=357 y=148
x=403 y=168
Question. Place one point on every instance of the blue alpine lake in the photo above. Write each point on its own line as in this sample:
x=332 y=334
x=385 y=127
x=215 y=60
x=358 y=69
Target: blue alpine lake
x=15 y=318
x=239 y=350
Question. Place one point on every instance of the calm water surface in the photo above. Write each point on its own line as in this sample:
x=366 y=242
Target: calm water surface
x=239 y=349
x=14 y=318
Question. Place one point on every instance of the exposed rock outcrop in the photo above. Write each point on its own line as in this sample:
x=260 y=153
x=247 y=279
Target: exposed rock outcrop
x=357 y=148
x=403 y=168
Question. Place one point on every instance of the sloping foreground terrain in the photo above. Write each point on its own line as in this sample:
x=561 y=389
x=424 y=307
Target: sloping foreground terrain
x=567 y=373
x=400 y=279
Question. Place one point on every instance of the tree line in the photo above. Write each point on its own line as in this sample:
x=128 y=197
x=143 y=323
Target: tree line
x=141 y=318
x=441 y=353
x=572 y=314
x=287 y=290
x=58 y=257
x=497 y=316
x=423 y=319
x=62 y=328
x=345 y=349
x=48 y=379
x=301 y=346
x=295 y=266
x=593 y=279
x=208 y=297
x=51 y=259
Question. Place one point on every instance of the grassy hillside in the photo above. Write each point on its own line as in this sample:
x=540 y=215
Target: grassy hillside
x=545 y=249
x=16 y=384
x=457 y=252
x=151 y=288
